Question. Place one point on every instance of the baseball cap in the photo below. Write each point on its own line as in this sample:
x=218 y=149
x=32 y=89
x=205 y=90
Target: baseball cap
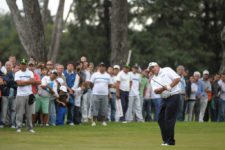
x=31 y=62
x=206 y=72
x=63 y=88
x=126 y=66
x=54 y=72
x=101 y=64
x=23 y=61
x=152 y=64
x=116 y=67
x=136 y=66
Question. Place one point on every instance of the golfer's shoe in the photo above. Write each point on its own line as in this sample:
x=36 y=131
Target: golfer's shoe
x=164 y=144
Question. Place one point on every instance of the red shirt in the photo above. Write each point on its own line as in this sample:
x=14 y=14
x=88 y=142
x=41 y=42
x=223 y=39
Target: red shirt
x=35 y=87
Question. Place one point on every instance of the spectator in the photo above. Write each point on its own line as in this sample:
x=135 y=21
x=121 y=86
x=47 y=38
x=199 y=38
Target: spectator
x=216 y=97
x=143 y=87
x=192 y=89
x=221 y=113
x=200 y=92
x=61 y=105
x=24 y=79
x=182 y=84
x=123 y=89
x=113 y=71
x=37 y=78
x=8 y=99
x=86 y=101
x=204 y=97
x=134 y=105
x=101 y=81
x=71 y=80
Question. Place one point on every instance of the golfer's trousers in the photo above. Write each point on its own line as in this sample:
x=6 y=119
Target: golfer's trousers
x=167 y=118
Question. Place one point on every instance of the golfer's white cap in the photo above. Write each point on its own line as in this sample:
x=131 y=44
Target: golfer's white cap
x=206 y=72
x=116 y=67
x=63 y=88
x=152 y=64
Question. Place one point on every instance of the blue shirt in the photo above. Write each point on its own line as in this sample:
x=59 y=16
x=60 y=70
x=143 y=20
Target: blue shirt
x=70 y=78
x=201 y=91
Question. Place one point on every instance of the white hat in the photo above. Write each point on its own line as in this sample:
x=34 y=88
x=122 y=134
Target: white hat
x=151 y=64
x=63 y=88
x=116 y=67
x=206 y=72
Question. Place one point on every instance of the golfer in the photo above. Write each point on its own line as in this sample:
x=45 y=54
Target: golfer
x=165 y=82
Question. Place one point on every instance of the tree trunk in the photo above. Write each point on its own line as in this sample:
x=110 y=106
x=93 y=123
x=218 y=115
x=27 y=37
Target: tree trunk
x=57 y=33
x=119 y=48
x=45 y=13
x=222 y=67
x=30 y=28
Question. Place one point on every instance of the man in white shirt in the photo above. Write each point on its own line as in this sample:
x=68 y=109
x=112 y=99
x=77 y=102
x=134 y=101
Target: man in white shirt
x=221 y=83
x=134 y=105
x=24 y=79
x=123 y=89
x=113 y=71
x=101 y=82
x=165 y=82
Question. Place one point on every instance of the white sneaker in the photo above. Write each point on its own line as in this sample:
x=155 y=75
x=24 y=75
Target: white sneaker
x=13 y=127
x=1 y=126
x=164 y=144
x=104 y=123
x=18 y=130
x=124 y=121
x=31 y=131
x=47 y=125
x=71 y=124
x=93 y=124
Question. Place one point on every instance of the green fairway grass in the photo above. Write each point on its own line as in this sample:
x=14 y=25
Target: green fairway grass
x=116 y=136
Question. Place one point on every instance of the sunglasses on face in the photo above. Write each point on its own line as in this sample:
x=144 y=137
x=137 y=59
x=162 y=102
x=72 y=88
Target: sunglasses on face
x=49 y=64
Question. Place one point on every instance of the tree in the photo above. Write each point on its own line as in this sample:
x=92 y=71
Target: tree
x=119 y=25
x=57 y=33
x=222 y=67
x=29 y=27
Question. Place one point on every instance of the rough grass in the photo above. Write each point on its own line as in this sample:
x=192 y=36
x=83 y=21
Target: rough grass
x=116 y=136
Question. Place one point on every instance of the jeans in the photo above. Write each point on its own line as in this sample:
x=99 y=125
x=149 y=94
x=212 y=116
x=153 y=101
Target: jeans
x=180 y=115
x=197 y=109
x=156 y=104
x=215 y=106
x=77 y=115
x=8 y=107
x=61 y=113
x=167 y=118
x=147 y=110
x=52 y=112
x=191 y=105
x=70 y=112
x=124 y=97
x=112 y=105
x=221 y=115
